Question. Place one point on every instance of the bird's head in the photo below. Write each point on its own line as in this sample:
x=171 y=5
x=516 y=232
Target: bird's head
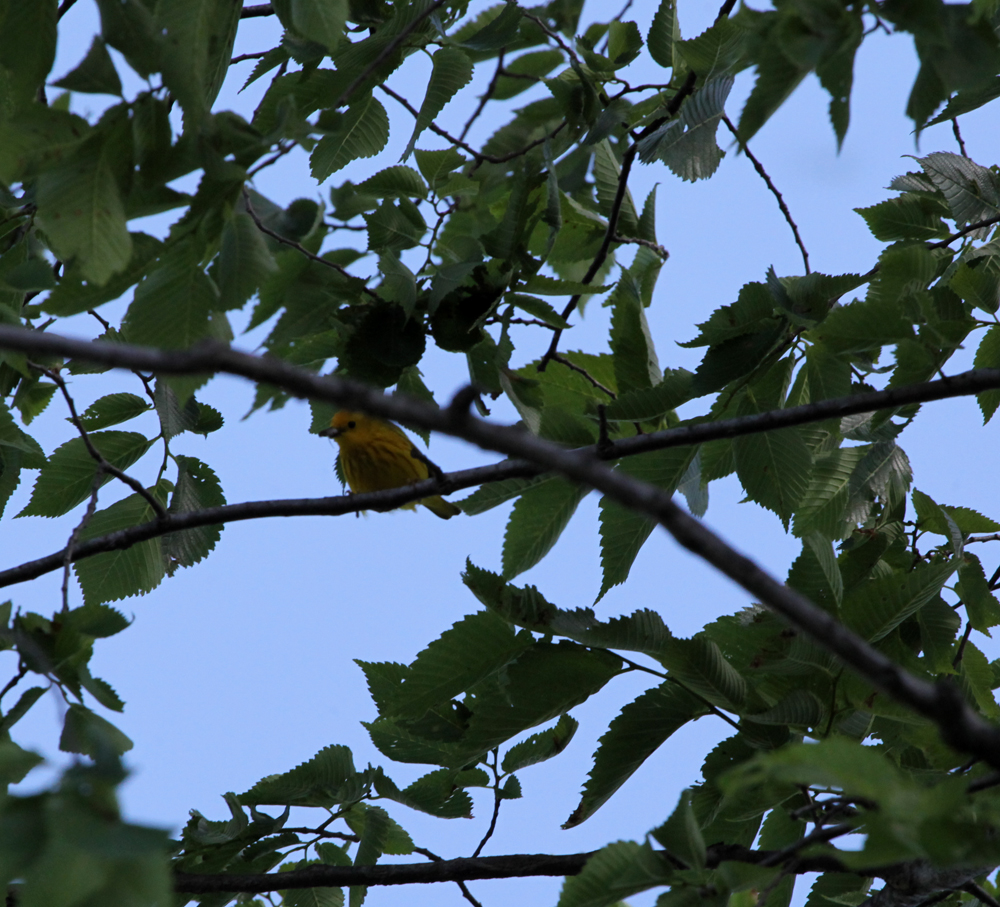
x=343 y=422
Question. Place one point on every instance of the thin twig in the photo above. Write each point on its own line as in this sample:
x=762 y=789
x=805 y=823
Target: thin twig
x=958 y=136
x=562 y=360
x=64 y=8
x=649 y=244
x=253 y=56
x=22 y=669
x=436 y=859
x=616 y=206
x=487 y=95
x=983 y=538
x=96 y=455
x=497 y=800
x=819 y=836
x=75 y=534
x=280 y=153
x=770 y=185
x=277 y=237
x=386 y=51
x=215 y=357
x=458 y=143
x=961 y=646
x=958 y=234
x=980 y=894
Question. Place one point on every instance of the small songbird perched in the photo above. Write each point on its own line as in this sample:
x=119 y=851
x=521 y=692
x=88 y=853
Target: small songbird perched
x=376 y=455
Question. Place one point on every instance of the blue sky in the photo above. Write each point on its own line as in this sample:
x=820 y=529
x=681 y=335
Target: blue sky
x=242 y=666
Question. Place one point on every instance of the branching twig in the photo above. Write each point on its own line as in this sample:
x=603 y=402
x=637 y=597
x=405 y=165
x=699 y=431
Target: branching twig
x=487 y=95
x=277 y=237
x=386 y=52
x=497 y=800
x=458 y=143
x=253 y=56
x=616 y=206
x=958 y=136
x=770 y=185
x=102 y=464
x=958 y=234
x=216 y=357
x=562 y=360
x=649 y=244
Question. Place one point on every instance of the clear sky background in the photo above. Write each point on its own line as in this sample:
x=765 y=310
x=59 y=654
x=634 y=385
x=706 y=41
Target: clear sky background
x=242 y=666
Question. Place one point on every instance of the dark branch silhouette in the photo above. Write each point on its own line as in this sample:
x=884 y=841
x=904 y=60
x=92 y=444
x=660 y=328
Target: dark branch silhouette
x=220 y=358
x=942 y=703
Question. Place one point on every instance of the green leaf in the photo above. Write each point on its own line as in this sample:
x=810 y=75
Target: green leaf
x=633 y=736
x=436 y=793
x=681 y=835
x=68 y=477
x=938 y=626
x=988 y=356
x=451 y=72
x=321 y=20
x=394 y=182
x=877 y=606
x=539 y=308
x=498 y=33
x=615 y=872
x=774 y=469
x=113 y=575
x=393 y=227
x=536 y=64
x=704 y=669
x=816 y=574
x=172 y=305
x=197 y=488
x=27 y=48
x=95 y=74
x=623 y=530
x=551 y=286
x=113 y=409
x=715 y=51
x=361 y=132
x=632 y=348
x=687 y=144
x=540 y=747
x=536 y=522
x=493 y=494
x=25 y=701
x=624 y=42
x=646 y=404
x=973 y=589
x=971 y=191
x=663 y=32
x=835 y=888
x=607 y=175
x=907 y=217
x=89 y=734
x=244 y=261
x=326 y=779
x=977 y=680
x=81 y=209
x=546 y=681
x=71 y=296
x=475 y=647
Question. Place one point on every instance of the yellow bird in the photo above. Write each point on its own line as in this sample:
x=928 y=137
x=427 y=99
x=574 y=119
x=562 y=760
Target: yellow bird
x=376 y=455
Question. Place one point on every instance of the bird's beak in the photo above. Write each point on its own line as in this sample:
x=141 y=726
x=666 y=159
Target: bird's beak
x=330 y=432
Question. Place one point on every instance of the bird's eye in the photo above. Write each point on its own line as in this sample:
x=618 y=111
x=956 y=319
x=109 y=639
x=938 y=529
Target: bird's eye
x=352 y=424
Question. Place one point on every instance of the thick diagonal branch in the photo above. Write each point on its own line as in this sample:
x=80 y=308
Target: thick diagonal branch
x=943 y=704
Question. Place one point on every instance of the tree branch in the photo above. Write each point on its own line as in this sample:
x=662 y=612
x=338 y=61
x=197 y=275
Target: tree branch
x=616 y=207
x=214 y=357
x=251 y=12
x=774 y=189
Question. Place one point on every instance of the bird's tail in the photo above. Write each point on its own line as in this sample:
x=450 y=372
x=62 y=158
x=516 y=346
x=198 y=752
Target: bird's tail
x=440 y=507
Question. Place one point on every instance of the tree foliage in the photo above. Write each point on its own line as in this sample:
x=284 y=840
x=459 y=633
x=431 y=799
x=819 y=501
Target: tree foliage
x=468 y=248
